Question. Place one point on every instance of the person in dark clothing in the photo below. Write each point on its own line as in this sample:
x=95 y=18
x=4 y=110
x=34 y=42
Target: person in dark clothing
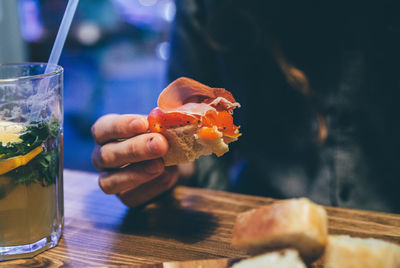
x=318 y=87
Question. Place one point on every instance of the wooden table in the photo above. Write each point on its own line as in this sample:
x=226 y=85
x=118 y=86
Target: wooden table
x=188 y=224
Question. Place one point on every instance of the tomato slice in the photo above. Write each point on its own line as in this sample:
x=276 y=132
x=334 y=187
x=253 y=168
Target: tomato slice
x=158 y=120
x=222 y=120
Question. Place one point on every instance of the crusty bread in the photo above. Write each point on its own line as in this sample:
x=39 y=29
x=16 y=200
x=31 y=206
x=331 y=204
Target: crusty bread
x=293 y=223
x=185 y=146
x=288 y=258
x=344 y=251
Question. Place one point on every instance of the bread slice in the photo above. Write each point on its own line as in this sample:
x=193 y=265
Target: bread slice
x=344 y=251
x=288 y=258
x=292 y=223
x=185 y=146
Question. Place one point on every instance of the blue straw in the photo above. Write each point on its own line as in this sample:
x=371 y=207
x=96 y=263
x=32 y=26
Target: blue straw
x=61 y=35
x=36 y=101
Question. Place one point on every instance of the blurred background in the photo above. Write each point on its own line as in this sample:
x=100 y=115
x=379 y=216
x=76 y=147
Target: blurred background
x=116 y=49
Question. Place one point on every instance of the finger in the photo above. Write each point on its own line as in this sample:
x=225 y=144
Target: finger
x=131 y=176
x=151 y=189
x=114 y=126
x=137 y=149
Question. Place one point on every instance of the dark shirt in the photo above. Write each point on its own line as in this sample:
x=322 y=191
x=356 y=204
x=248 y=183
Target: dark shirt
x=349 y=55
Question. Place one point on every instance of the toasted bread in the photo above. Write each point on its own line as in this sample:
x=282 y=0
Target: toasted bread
x=292 y=223
x=344 y=251
x=288 y=258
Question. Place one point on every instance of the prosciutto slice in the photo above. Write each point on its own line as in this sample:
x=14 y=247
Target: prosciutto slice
x=189 y=96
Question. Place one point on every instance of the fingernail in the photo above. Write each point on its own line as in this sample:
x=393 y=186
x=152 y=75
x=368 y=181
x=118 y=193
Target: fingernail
x=155 y=146
x=136 y=125
x=152 y=145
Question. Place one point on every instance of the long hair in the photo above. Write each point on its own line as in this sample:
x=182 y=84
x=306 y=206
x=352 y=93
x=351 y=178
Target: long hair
x=233 y=25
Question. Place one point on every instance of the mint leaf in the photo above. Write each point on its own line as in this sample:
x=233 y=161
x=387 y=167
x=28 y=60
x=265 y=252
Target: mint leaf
x=44 y=167
x=34 y=135
x=54 y=127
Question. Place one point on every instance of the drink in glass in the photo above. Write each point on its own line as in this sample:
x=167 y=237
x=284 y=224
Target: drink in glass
x=31 y=186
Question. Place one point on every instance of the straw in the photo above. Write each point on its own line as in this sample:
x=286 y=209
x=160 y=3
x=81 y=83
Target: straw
x=36 y=101
x=61 y=35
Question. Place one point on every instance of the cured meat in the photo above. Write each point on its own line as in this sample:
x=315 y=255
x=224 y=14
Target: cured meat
x=185 y=90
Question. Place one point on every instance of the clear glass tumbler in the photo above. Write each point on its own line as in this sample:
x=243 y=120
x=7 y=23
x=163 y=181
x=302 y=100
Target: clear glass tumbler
x=31 y=162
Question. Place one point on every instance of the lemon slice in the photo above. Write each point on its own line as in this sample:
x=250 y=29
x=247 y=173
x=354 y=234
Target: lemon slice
x=10 y=132
x=9 y=164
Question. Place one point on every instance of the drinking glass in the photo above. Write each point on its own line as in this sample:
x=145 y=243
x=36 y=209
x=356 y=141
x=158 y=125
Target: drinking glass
x=31 y=159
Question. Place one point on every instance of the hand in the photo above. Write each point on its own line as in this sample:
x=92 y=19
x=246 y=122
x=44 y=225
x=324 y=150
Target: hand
x=129 y=159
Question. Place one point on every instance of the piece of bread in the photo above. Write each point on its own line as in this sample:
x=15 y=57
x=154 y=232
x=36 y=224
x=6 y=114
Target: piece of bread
x=292 y=223
x=344 y=251
x=288 y=258
x=185 y=145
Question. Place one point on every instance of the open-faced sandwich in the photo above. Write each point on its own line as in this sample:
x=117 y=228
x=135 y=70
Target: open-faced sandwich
x=195 y=119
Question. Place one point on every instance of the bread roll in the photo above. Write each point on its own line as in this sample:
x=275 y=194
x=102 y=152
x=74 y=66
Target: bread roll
x=344 y=251
x=292 y=223
x=288 y=258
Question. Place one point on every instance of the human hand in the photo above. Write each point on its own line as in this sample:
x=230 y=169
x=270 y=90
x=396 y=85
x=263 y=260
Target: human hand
x=129 y=159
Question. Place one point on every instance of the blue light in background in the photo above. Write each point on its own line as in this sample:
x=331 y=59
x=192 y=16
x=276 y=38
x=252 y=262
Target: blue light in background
x=163 y=50
x=147 y=13
x=169 y=11
x=147 y=3
x=31 y=24
x=88 y=32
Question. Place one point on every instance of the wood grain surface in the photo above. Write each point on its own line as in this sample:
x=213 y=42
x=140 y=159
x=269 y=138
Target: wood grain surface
x=185 y=224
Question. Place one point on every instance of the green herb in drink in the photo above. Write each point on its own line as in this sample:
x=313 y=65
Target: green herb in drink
x=42 y=168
